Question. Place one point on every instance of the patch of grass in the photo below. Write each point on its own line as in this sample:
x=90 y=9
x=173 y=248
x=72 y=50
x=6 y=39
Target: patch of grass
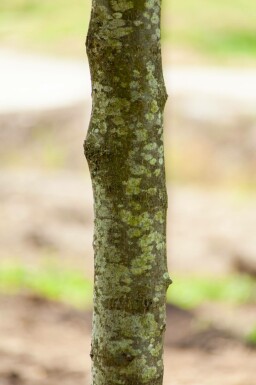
x=223 y=29
x=63 y=285
x=72 y=287
x=191 y=291
x=57 y=27
x=251 y=337
x=217 y=29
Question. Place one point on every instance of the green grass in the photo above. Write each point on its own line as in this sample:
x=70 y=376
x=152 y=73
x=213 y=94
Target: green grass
x=70 y=286
x=57 y=27
x=219 y=30
x=50 y=282
x=191 y=291
x=251 y=337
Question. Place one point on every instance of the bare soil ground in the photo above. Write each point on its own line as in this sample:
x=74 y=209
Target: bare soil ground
x=44 y=342
x=50 y=215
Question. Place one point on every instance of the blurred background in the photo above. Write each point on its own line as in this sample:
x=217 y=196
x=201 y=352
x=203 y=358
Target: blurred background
x=46 y=221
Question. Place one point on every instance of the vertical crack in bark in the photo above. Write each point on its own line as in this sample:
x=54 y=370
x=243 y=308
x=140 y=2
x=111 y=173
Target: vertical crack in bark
x=124 y=150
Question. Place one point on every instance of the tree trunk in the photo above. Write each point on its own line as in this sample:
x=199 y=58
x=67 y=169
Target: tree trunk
x=124 y=150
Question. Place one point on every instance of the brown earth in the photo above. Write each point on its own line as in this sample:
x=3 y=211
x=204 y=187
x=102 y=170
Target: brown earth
x=45 y=342
x=50 y=215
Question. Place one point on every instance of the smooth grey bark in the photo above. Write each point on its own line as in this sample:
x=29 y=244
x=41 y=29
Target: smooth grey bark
x=124 y=150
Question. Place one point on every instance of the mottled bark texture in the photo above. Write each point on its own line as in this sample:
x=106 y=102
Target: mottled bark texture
x=124 y=150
